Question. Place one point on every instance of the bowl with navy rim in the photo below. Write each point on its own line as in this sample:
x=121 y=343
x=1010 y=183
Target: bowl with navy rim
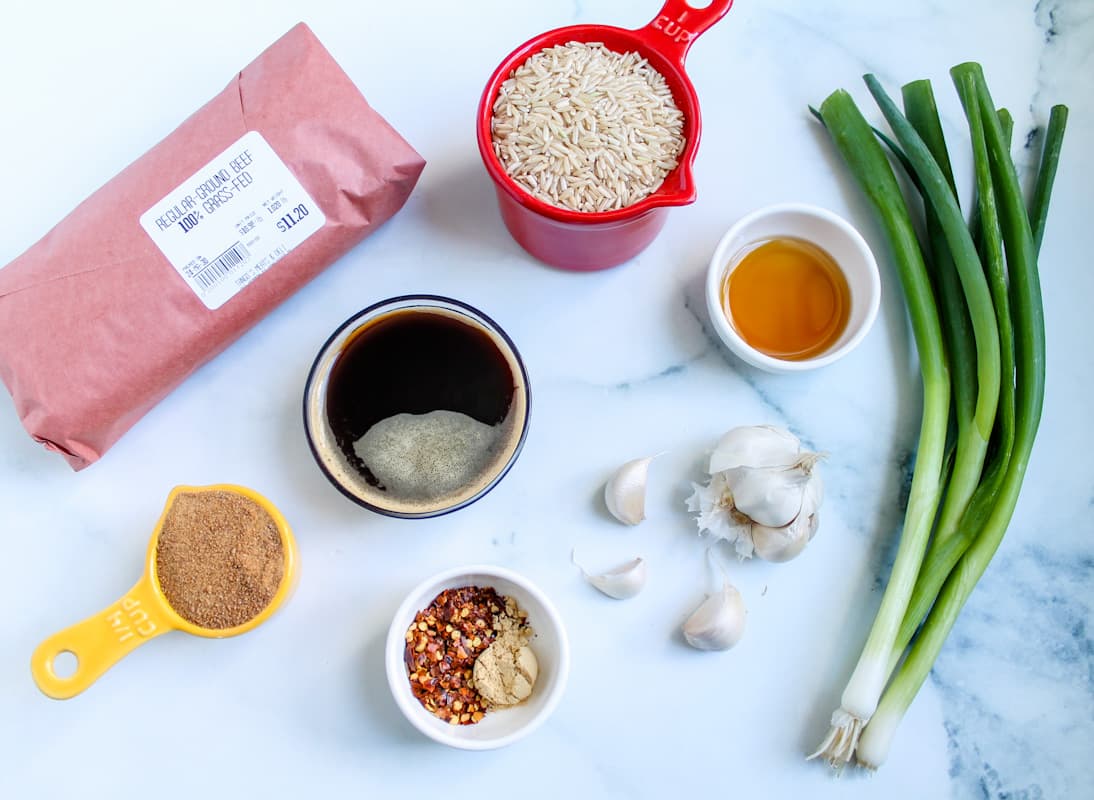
x=335 y=454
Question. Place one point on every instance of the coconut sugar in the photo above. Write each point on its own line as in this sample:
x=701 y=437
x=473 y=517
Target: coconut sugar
x=219 y=558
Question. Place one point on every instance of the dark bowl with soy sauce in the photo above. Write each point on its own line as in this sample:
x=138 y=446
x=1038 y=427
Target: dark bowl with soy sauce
x=417 y=406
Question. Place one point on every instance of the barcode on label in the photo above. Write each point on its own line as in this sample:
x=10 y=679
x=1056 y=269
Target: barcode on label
x=222 y=265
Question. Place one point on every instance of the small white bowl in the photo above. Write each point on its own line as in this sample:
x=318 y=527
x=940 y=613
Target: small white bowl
x=828 y=231
x=503 y=726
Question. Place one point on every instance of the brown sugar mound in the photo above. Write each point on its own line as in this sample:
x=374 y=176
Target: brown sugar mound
x=219 y=558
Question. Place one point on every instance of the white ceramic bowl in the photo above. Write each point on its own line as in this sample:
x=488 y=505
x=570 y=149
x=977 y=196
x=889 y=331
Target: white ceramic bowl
x=503 y=726
x=824 y=229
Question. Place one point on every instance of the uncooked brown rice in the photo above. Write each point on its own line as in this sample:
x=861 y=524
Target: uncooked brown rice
x=586 y=128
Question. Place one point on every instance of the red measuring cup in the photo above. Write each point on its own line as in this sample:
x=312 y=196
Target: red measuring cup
x=585 y=241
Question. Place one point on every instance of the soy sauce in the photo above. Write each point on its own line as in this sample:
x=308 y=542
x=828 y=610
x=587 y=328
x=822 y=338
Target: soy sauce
x=415 y=361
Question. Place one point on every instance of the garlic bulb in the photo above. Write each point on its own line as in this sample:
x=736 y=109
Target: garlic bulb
x=622 y=582
x=625 y=492
x=763 y=495
x=719 y=622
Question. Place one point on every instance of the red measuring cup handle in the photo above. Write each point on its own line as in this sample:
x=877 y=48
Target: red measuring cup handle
x=679 y=24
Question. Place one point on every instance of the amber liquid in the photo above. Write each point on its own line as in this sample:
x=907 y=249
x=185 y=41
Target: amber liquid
x=787 y=298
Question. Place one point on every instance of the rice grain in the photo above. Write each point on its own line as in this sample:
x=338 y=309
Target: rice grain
x=586 y=128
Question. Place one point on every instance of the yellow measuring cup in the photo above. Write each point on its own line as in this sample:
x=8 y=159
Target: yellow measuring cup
x=144 y=612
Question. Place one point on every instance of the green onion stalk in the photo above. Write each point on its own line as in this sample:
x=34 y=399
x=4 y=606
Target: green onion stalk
x=855 y=141
x=975 y=425
x=953 y=536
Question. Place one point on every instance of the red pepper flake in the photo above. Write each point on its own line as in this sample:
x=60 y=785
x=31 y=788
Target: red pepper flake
x=441 y=647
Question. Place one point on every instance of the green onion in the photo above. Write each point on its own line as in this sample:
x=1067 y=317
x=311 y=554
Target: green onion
x=944 y=554
x=1029 y=384
x=1046 y=175
x=855 y=141
x=957 y=329
x=863 y=690
x=975 y=432
x=998 y=378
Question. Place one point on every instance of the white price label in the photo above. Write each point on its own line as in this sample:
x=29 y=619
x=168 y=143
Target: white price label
x=232 y=220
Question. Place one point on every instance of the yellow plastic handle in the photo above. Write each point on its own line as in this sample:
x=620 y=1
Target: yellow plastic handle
x=100 y=641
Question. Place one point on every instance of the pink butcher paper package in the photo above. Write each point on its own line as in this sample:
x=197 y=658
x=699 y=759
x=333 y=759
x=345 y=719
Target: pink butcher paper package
x=191 y=245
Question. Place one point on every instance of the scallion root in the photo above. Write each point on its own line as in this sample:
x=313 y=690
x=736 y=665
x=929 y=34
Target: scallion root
x=838 y=747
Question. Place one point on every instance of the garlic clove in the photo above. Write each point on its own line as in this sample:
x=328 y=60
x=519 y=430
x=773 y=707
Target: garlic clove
x=719 y=622
x=622 y=582
x=782 y=544
x=786 y=542
x=625 y=491
x=754 y=446
x=768 y=495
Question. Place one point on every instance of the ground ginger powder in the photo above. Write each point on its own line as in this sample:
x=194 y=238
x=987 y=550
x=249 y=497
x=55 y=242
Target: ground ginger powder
x=219 y=558
x=506 y=671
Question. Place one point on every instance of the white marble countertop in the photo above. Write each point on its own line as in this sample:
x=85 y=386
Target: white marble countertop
x=621 y=366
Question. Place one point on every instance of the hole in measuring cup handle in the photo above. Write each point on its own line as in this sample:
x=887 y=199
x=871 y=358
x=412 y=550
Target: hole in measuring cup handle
x=64 y=665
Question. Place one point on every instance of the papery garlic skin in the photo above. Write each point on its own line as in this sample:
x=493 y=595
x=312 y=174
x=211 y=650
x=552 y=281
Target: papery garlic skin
x=717 y=516
x=719 y=622
x=622 y=582
x=625 y=491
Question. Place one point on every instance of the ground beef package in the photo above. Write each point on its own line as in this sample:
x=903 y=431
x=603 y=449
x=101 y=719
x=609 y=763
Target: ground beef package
x=191 y=245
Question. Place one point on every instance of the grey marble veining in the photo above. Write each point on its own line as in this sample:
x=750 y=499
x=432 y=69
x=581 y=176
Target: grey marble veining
x=1032 y=616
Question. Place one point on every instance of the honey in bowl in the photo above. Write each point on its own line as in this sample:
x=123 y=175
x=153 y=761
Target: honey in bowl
x=787 y=298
